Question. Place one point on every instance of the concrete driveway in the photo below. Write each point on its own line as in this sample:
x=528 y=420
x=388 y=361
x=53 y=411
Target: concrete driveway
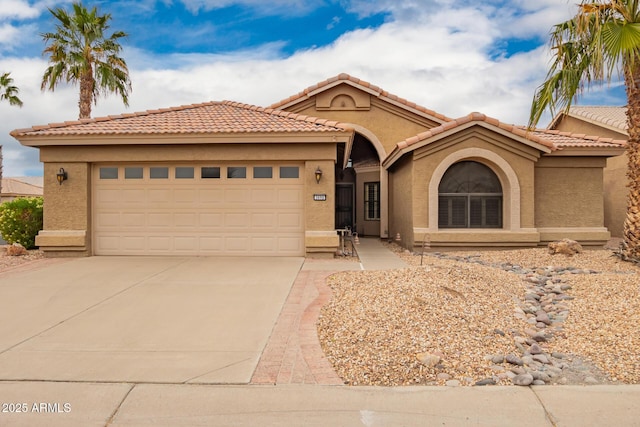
x=142 y=319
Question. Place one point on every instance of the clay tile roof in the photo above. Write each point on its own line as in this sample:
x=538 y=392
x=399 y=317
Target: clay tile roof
x=614 y=117
x=571 y=140
x=205 y=118
x=552 y=139
x=22 y=186
x=383 y=94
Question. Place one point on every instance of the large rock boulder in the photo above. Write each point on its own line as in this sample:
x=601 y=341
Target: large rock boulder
x=16 y=250
x=566 y=247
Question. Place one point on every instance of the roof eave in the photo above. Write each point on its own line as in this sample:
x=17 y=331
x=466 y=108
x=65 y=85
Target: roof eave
x=185 y=138
x=588 y=152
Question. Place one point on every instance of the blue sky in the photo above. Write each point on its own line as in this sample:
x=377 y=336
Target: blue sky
x=453 y=56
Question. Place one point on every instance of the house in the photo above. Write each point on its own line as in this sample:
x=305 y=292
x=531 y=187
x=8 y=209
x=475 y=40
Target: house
x=223 y=178
x=22 y=186
x=610 y=122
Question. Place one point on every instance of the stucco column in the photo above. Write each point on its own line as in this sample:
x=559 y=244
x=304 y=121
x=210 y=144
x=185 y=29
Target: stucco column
x=67 y=210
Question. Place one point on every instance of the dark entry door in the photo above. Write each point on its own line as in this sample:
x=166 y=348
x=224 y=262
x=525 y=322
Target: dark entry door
x=344 y=206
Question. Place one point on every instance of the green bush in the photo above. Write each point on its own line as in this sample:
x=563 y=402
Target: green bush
x=21 y=220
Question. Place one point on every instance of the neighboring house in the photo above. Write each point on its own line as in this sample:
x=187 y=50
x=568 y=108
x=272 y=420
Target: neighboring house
x=610 y=122
x=23 y=186
x=223 y=178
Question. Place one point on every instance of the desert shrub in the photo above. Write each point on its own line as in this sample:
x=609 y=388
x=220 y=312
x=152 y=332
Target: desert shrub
x=21 y=220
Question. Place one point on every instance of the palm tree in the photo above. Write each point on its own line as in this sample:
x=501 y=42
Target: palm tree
x=8 y=91
x=79 y=52
x=600 y=43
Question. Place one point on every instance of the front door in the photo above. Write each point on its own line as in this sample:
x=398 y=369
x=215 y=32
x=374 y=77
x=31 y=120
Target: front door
x=344 y=206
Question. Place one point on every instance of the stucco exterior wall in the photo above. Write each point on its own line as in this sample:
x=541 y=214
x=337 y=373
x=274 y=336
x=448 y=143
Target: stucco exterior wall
x=615 y=194
x=401 y=201
x=67 y=214
x=615 y=178
x=569 y=199
x=574 y=125
x=390 y=124
x=321 y=238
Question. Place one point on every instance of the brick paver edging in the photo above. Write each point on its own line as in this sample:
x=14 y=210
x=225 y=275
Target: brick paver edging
x=293 y=354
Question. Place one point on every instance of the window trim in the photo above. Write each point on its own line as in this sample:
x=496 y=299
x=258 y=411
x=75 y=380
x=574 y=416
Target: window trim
x=468 y=197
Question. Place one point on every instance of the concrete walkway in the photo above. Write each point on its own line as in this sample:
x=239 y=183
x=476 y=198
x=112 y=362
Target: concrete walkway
x=67 y=404
x=374 y=256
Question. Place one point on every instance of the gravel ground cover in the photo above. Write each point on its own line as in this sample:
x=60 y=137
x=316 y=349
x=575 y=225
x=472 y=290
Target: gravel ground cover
x=453 y=320
x=8 y=262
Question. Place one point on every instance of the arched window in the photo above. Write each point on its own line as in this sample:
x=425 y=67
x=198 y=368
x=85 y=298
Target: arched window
x=469 y=196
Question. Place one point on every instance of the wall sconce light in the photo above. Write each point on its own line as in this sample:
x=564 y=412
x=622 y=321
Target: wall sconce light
x=61 y=176
x=318 y=174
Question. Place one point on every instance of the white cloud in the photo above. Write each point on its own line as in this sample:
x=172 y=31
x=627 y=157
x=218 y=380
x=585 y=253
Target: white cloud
x=17 y=9
x=269 y=8
x=442 y=60
x=8 y=34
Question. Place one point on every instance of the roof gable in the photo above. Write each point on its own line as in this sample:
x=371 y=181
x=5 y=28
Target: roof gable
x=205 y=118
x=608 y=117
x=364 y=86
x=545 y=140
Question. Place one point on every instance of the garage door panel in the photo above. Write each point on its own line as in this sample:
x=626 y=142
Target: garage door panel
x=134 y=196
x=211 y=196
x=212 y=244
x=263 y=220
x=159 y=219
x=289 y=244
x=290 y=196
x=160 y=196
x=107 y=196
x=108 y=219
x=182 y=195
x=134 y=220
x=185 y=220
x=196 y=216
x=211 y=220
x=264 y=195
x=290 y=221
x=239 y=195
x=107 y=244
x=160 y=244
x=133 y=243
x=237 y=220
x=185 y=243
x=237 y=244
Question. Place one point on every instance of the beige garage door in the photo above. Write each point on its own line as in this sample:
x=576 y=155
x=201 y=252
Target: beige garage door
x=217 y=209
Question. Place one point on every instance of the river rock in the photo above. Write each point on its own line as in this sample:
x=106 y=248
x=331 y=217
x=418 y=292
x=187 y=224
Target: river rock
x=428 y=359
x=523 y=379
x=514 y=360
x=535 y=349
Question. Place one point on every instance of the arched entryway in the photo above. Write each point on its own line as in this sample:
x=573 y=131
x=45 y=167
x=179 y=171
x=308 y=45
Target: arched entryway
x=361 y=186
